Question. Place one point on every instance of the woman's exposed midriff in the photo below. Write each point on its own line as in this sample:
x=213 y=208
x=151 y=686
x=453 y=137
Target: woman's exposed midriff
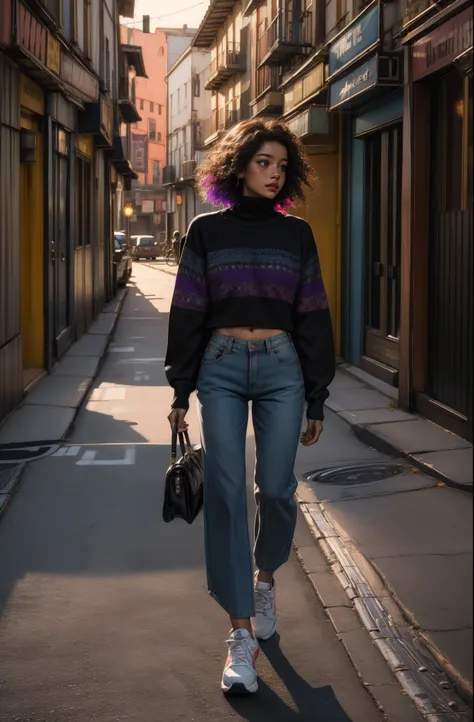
x=249 y=334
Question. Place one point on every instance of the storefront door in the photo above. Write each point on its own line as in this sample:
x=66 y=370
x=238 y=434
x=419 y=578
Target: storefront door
x=450 y=361
x=383 y=164
x=62 y=256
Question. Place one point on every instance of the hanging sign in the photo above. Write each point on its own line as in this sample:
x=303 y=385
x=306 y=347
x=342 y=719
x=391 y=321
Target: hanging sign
x=362 y=35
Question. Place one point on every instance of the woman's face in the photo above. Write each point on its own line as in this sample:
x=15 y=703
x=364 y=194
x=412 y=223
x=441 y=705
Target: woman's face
x=265 y=175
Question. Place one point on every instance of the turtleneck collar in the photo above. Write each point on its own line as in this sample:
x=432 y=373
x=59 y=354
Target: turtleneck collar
x=250 y=208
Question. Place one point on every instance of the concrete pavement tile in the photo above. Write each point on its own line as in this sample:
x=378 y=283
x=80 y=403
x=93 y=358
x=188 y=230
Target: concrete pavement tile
x=397 y=706
x=313 y=559
x=59 y=391
x=419 y=436
x=329 y=590
x=89 y=345
x=455 y=464
x=103 y=325
x=444 y=599
x=344 y=619
x=77 y=366
x=457 y=646
x=342 y=381
x=356 y=399
x=366 y=657
x=430 y=521
x=37 y=423
x=370 y=381
x=375 y=416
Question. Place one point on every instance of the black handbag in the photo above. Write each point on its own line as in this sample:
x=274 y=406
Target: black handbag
x=184 y=481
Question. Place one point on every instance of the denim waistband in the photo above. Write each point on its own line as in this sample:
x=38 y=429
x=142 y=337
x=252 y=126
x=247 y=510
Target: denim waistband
x=236 y=344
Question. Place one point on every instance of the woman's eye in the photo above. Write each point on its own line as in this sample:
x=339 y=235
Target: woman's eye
x=284 y=168
x=263 y=162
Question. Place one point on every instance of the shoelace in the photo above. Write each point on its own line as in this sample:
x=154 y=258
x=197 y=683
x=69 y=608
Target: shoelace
x=239 y=651
x=263 y=601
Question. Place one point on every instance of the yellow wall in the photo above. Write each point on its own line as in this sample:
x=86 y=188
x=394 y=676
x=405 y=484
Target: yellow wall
x=31 y=260
x=321 y=210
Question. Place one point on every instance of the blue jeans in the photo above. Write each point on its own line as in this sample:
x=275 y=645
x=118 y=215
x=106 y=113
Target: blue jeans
x=232 y=373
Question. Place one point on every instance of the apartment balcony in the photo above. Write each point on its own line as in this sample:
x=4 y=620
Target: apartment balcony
x=251 y=6
x=188 y=168
x=169 y=175
x=286 y=36
x=221 y=120
x=413 y=9
x=269 y=100
x=227 y=63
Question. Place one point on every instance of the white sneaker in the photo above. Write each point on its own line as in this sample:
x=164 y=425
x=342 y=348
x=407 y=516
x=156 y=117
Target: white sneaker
x=240 y=675
x=264 y=622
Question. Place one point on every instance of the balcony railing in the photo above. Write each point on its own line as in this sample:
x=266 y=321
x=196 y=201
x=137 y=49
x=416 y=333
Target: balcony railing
x=269 y=100
x=126 y=101
x=414 y=8
x=227 y=63
x=169 y=174
x=187 y=169
x=286 y=36
x=221 y=120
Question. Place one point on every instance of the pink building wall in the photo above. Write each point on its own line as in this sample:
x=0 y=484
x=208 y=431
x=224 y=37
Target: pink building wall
x=151 y=90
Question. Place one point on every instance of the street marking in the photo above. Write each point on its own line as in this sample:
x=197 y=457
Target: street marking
x=152 y=359
x=122 y=349
x=140 y=376
x=68 y=451
x=89 y=459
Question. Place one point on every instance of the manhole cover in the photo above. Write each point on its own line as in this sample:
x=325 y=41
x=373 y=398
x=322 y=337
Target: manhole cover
x=7 y=477
x=355 y=474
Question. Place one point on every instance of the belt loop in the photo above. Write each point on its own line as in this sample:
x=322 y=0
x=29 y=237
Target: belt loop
x=230 y=343
x=268 y=345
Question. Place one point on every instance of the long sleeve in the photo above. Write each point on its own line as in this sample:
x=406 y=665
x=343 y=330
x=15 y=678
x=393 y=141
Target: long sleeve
x=313 y=334
x=187 y=333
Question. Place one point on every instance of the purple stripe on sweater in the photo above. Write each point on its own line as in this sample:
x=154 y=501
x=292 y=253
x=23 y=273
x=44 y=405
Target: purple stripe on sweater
x=266 y=276
x=312 y=288
x=247 y=289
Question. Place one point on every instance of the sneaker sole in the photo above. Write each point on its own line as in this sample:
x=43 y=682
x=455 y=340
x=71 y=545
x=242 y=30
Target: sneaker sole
x=240 y=690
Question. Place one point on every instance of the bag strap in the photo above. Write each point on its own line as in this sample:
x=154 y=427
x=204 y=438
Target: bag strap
x=184 y=442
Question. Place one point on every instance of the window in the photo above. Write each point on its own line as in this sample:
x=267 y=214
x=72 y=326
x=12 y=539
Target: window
x=107 y=63
x=159 y=136
x=179 y=94
x=160 y=108
x=129 y=36
x=152 y=129
x=196 y=86
x=152 y=107
x=156 y=172
x=87 y=29
x=161 y=52
x=142 y=104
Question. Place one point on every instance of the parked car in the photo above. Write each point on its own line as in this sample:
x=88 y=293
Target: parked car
x=144 y=247
x=122 y=257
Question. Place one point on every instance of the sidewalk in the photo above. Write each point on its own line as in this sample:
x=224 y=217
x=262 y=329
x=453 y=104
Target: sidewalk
x=392 y=531
x=53 y=403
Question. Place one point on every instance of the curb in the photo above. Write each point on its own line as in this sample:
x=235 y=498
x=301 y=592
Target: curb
x=70 y=428
x=7 y=496
x=437 y=690
x=372 y=439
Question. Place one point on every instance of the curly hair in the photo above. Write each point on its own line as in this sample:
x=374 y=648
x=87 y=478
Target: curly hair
x=218 y=174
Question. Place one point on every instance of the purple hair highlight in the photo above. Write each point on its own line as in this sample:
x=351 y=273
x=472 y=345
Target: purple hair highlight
x=218 y=197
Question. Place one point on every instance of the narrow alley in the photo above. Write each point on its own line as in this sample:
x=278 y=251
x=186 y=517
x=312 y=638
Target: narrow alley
x=105 y=612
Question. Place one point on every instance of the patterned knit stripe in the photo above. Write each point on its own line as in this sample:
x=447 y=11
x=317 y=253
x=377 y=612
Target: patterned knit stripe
x=251 y=289
x=312 y=294
x=272 y=258
x=190 y=293
x=192 y=264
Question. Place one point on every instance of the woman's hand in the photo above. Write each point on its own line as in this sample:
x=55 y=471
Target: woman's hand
x=313 y=432
x=176 y=418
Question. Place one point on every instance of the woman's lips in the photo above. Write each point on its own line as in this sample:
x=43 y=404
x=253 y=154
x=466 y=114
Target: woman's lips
x=272 y=187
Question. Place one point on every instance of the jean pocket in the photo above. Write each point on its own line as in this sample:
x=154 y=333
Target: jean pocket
x=285 y=355
x=213 y=354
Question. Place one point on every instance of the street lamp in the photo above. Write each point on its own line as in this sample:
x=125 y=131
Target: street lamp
x=128 y=211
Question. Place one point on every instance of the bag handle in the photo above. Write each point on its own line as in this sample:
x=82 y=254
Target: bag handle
x=184 y=442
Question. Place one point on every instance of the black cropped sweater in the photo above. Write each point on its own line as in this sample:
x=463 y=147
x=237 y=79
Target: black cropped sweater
x=250 y=267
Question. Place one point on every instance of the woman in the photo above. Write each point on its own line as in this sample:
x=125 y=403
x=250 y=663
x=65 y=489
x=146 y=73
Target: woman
x=250 y=322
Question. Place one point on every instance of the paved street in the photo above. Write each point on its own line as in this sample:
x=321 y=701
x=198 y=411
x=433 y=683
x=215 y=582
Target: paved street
x=105 y=613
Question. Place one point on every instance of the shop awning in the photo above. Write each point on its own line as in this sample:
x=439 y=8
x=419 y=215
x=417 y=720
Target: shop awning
x=217 y=13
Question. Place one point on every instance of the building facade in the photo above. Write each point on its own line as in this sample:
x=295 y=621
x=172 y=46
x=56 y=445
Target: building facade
x=437 y=222
x=189 y=103
x=59 y=115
